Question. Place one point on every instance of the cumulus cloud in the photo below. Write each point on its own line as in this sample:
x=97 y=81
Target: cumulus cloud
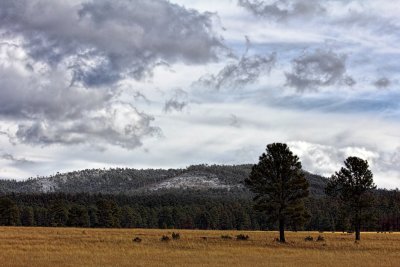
x=382 y=83
x=325 y=160
x=45 y=109
x=103 y=41
x=318 y=69
x=33 y=96
x=283 y=9
x=245 y=71
x=177 y=102
x=118 y=124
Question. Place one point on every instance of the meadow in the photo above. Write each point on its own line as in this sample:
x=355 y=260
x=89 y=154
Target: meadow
x=35 y=246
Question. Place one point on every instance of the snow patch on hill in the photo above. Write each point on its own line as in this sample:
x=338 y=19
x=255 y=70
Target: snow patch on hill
x=191 y=181
x=47 y=186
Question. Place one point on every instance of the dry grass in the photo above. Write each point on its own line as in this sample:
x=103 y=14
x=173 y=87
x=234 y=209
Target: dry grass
x=20 y=246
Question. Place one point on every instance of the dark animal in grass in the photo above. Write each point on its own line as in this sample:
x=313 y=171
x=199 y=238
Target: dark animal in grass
x=137 y=240
x=176 y=236
x=309 y=238
x=165 y=238
x=226 y=237
x=320 y=238
x=242 y=237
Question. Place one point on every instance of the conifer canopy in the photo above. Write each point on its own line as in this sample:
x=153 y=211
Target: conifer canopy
x=280 y=187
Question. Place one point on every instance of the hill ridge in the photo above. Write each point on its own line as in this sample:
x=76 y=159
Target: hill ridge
x=133 y=181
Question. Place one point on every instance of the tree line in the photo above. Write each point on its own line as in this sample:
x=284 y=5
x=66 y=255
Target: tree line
x=189 y=210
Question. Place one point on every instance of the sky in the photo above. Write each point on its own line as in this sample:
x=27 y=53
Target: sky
x=166 y=84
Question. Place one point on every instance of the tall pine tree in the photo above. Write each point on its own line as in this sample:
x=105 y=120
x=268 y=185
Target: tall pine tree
x=280 y=187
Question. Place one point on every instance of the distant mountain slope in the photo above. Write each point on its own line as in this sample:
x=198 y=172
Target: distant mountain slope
x=133 y=181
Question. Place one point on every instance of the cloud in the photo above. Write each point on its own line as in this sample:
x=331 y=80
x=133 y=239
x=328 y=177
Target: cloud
x=138 y=96
x=14 y=160
x=245 y=71
x=382 y=83
x=361 y=16
x=346 y=14
x=103 y=41
x=118 y=124
x=391 y=159
x=234 y=121
x=283 y=9
x=37 y=96
x=317 y=69
x=177 y=102
x=44 y=109
x=9 y=136
x=325 y=160
x=349 y=81
x=383 y=103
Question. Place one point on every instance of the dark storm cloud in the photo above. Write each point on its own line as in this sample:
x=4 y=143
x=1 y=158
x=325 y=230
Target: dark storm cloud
x=382 y=83
x=317 y=69
x=239 y=74
x=177 y=102
x=105 y=40
x=283 y=9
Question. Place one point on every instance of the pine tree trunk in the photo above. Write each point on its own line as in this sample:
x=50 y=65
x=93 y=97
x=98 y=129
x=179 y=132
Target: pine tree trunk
x=358 y=226
x=358 y=238
x=282 y=230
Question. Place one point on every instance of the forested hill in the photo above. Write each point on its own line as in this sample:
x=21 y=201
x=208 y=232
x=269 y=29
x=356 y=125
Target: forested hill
x=207 y=178
x=198 y=197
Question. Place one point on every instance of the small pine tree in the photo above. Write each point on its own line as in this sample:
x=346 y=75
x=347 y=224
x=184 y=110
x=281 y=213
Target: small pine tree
x=78 y=216
x=27 y=216
x=58 y=213
x=353 y=184
x=9 y=212
x=108 y=213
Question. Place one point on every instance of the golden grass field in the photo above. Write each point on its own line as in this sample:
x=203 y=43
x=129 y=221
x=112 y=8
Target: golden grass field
x=31 y=246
